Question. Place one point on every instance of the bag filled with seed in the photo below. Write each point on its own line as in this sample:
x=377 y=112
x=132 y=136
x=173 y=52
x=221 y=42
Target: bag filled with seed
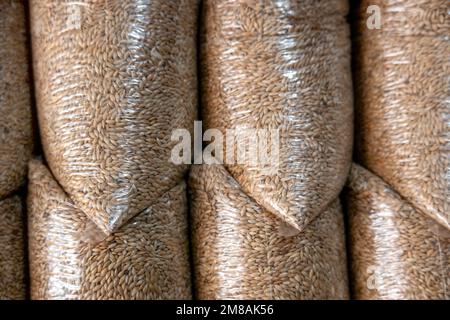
x=273 y=230
x=403 y=110
x=397 y=252
x=399 y=202
x=282 y=65
x=12 y=252
x=113 y=79
x=16 y=144
x=242 y=251
x=69 y=259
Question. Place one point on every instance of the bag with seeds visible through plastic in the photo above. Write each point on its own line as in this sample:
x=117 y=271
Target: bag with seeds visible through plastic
x=242 y=251
x=16 y=145
x=12 y=249
x=397 y=252
x=402 y=92
x=273 y=230
x=113 y=79
x=16 y=142
x=71 y=259
x=282 y=65
x=399 y=202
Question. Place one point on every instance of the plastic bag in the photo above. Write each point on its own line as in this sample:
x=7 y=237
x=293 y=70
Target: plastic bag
x=403 y=110
x=12 y=250
x=397 y=252
x=399 y=206
x=16 y=142
x=69 y=259
x=113 y=79
x=282 y=65
x=241 y=251
x=16 y=145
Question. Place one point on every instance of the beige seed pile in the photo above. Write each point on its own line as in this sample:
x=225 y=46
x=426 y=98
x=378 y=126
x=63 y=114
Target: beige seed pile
x=283 y=65
x=15 y=114
x=12 y=255
x=403 y=92
x=242 y=251
x=16 y=145
x=113 y=79
x=146 y=259
x=397 y=252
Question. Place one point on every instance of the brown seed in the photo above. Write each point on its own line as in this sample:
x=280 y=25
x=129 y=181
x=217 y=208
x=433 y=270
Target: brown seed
x=145 y=259
x=113 y=79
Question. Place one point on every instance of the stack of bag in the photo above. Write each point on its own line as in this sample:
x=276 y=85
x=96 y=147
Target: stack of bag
x=16 y=146
x=284 y=66
x=108 y=211
x=108 y=207
x=398 y=195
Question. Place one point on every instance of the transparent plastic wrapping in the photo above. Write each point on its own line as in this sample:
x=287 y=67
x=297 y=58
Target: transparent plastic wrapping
x=396 y=251
x=403 y=100
x=241 y=251
x=16 y=142
x=146 y=259
x=282 y=65
x=12 y=250
x=113 y=79
x=16 y=145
